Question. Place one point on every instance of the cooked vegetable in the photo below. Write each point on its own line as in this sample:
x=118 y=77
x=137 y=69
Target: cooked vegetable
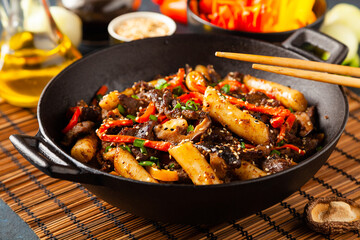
x=256 y=16
x=175 y=9
x=240 y=122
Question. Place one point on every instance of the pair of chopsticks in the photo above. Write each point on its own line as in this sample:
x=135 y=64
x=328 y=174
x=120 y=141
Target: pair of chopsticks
x=323 y=72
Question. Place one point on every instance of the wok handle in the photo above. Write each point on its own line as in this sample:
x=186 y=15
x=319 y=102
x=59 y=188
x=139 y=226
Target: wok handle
x=307 y=36
x=50 y=161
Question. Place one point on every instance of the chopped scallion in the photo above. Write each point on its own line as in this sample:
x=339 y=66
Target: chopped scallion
x=153 y=118
x=178 y=105
x=161 y=84
x=134 y=96
x=190 y=128
x=139 y=143
x=146 y=163
x=226 y=88
x=121 y=109
x=275 y=152
x=242 y=144
x=125 y=147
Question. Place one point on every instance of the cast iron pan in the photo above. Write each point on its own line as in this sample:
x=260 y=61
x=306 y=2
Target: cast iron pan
x=119 y=67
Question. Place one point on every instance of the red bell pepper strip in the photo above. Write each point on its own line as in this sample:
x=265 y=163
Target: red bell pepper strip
x=196 y=96
x=286 y=126
x=158 y=145
x=178 y=80
x=102 y=91
x=279 y=112
x=234 y=85
x=105 y=126
x=277 y=122
x=150 y=110
x=293 y=147
x=73 y=121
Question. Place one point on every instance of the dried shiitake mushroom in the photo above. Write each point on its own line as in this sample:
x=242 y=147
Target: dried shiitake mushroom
x=332 y=215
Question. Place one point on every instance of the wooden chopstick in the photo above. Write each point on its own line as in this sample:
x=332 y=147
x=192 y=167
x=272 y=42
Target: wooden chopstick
x=311 y=75
x=287 y=63
x=293 y=63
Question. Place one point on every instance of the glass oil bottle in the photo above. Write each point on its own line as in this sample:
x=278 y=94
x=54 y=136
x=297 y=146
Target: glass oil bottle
x=32 y=51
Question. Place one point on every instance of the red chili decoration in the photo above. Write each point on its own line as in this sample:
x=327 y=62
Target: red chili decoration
x=150 y=110
x=110 y=124
x=178 y=80
x=277 y=122
x=293 y=147
x=286 y=126
x=73 y=121
x=102 y=91
x=192 y=95
x=234 y=85
x=158 y=145
x=278 y=112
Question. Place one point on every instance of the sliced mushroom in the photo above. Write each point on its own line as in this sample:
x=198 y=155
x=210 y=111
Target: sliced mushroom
x=306 y=126
x=332 y=215
x=174 y=130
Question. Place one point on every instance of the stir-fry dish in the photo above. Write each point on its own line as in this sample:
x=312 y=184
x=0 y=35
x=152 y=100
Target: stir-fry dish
x=194 y=126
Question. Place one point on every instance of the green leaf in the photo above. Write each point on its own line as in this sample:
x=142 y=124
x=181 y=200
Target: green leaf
x=121 y=109
x=139 y=143
x=226 y=88
x=153 y=118
x=146 y=163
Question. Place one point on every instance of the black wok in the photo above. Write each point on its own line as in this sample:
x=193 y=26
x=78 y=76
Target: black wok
x=119 y=67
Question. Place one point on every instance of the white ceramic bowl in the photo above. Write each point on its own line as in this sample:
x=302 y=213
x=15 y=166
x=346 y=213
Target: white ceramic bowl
x=116 y=22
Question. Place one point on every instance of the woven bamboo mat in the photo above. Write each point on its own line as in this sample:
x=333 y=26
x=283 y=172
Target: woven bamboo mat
x=57 y=209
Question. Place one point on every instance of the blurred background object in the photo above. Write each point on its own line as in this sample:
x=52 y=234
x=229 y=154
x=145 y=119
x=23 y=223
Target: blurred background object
x=33 y=50
x=96 y=15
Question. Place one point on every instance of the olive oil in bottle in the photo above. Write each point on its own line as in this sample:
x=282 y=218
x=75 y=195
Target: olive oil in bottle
x=30 y=59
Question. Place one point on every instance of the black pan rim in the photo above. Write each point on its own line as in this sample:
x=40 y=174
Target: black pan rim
x=95 y=171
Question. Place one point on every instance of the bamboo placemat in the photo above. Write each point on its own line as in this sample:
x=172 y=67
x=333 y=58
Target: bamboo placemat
x=57 y=209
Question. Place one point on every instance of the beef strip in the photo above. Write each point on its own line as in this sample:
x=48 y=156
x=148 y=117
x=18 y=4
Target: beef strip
x=79 y=130
x=274 y=164
x=144 y=131
x=130 y=104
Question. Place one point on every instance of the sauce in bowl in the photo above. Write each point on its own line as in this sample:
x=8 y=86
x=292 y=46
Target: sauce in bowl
x=139 y=25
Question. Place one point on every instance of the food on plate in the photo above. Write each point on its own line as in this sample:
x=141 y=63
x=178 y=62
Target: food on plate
x=256 y=16
x=194 y=126
x=330 y=215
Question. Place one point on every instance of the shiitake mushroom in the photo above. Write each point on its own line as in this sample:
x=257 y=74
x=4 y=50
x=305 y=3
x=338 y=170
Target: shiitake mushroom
x=330 y=215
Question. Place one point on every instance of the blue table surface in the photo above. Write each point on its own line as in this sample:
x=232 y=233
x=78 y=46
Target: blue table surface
x=12 y=227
